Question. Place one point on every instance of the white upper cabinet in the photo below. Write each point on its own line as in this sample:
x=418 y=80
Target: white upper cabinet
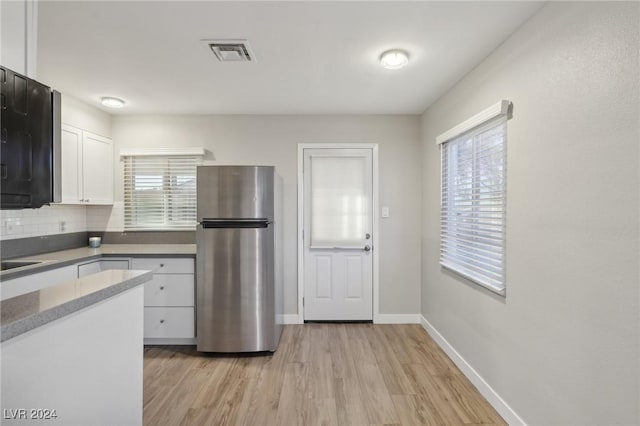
x=71 y=172
x=97 y=160
x=87 y=167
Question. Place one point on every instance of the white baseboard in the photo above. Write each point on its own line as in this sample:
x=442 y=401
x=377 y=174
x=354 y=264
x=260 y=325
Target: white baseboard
x=170 y=341
x=379 y=319
x=496 y=401
x=397 y=319
x=289 y=319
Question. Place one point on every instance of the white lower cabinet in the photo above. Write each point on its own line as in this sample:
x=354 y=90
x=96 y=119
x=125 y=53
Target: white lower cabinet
x=169 y=300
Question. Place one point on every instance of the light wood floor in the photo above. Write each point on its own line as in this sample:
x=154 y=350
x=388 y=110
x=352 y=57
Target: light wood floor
x=331 y=374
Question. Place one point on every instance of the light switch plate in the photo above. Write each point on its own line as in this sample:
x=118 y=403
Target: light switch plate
x=385 y=211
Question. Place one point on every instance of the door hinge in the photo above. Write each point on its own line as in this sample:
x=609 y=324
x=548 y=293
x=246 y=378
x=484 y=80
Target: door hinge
x=303 y=235
x=303 y=301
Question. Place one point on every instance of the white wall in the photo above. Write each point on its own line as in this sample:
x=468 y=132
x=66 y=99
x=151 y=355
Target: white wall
x=562 y=348
x=272 y=140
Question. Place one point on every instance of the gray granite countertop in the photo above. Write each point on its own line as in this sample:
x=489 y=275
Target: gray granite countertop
x=58 y=259
x=32 y=310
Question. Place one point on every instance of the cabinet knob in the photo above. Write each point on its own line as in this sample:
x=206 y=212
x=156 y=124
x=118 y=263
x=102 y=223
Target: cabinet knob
x=161 y=287
x=162 y=265
x=161 y=321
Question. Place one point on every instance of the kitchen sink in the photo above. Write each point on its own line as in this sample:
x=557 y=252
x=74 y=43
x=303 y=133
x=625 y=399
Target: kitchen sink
x=11 y=264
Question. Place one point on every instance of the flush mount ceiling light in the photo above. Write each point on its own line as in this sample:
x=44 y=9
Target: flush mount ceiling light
x=111 y=102
x=394 y=59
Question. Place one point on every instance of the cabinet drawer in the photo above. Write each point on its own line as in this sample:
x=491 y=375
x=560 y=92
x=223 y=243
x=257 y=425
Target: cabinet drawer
x=169 y=290
x=169 y=322
x=164 y=265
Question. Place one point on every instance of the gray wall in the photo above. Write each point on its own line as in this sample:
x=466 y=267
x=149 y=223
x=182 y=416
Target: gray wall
x=272 y=140
x=562 y=348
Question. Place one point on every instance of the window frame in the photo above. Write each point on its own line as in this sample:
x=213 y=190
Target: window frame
x=491 y=118
x=168 y=180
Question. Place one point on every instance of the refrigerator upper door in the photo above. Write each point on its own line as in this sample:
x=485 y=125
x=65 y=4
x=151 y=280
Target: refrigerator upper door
x=234 y=192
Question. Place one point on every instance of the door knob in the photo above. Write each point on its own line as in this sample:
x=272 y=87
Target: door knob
x=367 y=248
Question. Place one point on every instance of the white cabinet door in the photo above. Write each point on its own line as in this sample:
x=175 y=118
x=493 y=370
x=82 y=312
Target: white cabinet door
x=87 y=167
x=97 y=164
x=71 y=165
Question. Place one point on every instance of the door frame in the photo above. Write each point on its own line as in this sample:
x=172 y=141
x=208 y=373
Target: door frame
x=375 y=241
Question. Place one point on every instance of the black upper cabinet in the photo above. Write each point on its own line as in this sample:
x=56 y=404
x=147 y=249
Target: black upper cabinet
x=26 y=145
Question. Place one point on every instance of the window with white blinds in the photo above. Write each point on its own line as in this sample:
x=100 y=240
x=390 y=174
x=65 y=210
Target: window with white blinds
x=472 y=230
x=159 y=192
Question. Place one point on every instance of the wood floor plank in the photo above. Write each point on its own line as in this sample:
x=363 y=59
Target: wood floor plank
x=253 y=392
x=349 y=407
x=293 y=397
x=375 y=395
x=412 y=411
x=321 y=374
x=391 y=369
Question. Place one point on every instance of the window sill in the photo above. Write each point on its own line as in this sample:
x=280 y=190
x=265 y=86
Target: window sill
x=501 y=291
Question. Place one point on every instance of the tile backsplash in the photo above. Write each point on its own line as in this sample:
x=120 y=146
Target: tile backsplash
x=47 y=220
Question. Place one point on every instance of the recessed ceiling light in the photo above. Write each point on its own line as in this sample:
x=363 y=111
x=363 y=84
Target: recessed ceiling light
x=112 y=102
x=394 y=59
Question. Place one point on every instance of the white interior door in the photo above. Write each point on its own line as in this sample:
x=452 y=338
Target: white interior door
x=338 y=223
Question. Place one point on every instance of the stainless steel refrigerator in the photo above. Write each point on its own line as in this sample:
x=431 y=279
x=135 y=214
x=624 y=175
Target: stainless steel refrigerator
x=238 y=298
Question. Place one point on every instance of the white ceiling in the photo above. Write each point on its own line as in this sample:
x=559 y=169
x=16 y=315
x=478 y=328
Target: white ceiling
x=312 y=57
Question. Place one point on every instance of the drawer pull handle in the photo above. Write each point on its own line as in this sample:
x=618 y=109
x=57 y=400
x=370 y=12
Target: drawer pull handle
x=161 y=287
x=161 y=321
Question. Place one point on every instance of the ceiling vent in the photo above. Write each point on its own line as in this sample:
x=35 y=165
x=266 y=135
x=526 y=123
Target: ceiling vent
x=231 y=50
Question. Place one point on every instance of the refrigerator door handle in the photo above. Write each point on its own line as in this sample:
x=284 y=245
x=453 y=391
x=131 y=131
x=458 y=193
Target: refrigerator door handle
x=234 y=223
